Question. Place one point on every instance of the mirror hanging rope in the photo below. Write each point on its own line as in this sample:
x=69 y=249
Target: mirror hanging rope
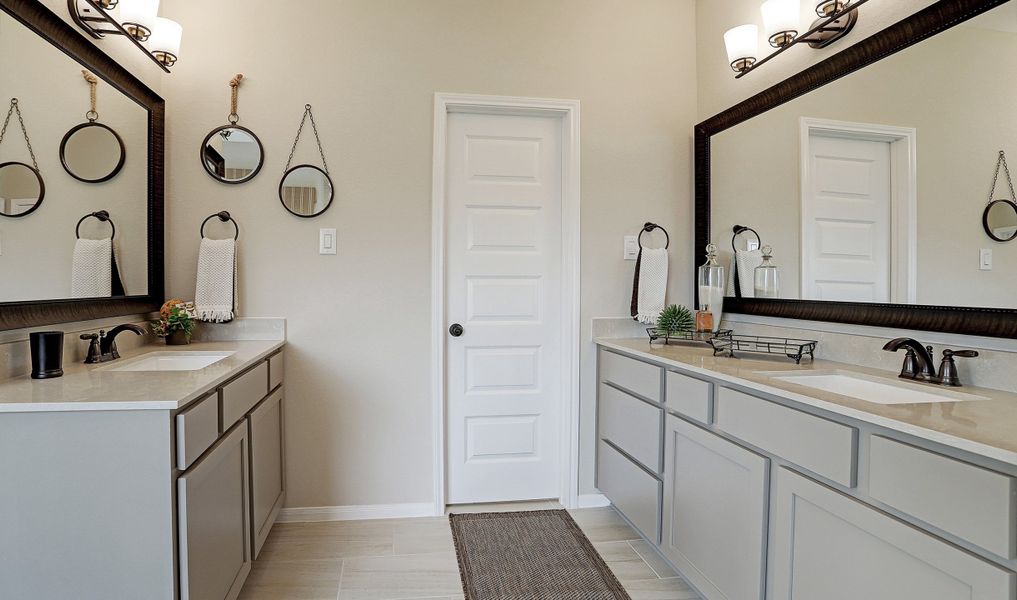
x=306 y=190
x=233 y=117
x=93 y=83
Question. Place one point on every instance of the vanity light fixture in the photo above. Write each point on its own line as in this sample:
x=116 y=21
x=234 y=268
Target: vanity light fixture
x=781 y=20
x=137 y=20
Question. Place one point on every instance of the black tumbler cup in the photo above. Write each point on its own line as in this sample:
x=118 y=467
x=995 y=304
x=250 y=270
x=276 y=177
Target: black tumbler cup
x=47 y=354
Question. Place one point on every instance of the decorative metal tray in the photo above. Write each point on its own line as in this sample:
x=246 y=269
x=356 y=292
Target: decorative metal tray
x=685 y=337
x=794 y=349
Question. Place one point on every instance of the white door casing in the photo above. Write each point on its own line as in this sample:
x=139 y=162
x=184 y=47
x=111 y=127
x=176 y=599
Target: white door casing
x=506 y=219
x=859 y=212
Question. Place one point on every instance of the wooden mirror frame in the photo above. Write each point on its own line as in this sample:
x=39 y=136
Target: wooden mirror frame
x=51 y=28
x=993 y=322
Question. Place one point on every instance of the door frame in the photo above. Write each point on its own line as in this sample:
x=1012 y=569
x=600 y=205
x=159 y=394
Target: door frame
x=903 y=196
x=568 y=112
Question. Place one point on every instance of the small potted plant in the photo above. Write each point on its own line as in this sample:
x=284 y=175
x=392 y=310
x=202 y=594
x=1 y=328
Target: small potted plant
x=176 y=323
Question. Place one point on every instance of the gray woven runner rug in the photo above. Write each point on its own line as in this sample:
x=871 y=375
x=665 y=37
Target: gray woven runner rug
x=537 y=555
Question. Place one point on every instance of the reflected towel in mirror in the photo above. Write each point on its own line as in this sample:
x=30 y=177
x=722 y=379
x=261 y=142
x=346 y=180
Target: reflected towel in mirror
x=94 y=272
x=744 y=263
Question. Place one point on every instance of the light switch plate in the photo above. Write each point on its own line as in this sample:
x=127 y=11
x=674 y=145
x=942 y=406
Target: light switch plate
x=985 y=259
x=631 y=247
x=327 y=241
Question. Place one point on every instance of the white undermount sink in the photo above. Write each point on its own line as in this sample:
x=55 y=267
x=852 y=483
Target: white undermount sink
x=871 y=389
x=171 y=361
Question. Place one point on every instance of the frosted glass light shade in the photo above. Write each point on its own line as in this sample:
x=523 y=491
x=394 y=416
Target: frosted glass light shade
x=139 y=12
x=742 y=44
x=781 y=19
x=165 y=40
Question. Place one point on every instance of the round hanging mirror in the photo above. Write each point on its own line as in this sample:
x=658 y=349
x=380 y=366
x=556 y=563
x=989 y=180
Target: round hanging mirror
x=1000 y=220
x=92 y=152
x=232 y=154
x=306 y=190
x=21 y=189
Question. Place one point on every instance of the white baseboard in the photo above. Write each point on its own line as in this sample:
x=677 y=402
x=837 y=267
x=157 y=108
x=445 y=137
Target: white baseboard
x=356 y=513
x=592 y=501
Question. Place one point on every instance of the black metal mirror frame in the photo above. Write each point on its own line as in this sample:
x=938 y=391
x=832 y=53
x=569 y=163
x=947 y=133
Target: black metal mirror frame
x=994 y=322
x=50 y=27
x=204 y=161
x=331 y=190
x=79 y=127
x=985 y=219
x=42 y=188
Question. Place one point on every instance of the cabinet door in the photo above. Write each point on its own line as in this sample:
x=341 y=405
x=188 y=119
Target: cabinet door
x=268 y=485
x=830 y=546
x=715 y=496
x=212 y=499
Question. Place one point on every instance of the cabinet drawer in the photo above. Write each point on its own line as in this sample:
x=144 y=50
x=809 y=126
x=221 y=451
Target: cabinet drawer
x=240 y=395
x=275 y=370
x=642 y=379
x=689 y=396
x=632 y=425
x=970 y=502
x=197 y=430
x=633 y=491
x=821 y=446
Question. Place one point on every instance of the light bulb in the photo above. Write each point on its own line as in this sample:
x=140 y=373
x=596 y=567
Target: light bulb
x=742 y=44
x=781 y=19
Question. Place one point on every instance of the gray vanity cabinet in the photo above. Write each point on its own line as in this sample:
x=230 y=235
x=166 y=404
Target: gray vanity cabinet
x=268 y=486
x=214 y=536
x=714 y=512
x=828 y=545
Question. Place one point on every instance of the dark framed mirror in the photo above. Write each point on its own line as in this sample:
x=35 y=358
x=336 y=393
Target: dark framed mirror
x=753 y=166
x=232 y=154
x=21 y=189
x=306 y=191
x=92 y=152
x=1000 y=220
x=42 y=56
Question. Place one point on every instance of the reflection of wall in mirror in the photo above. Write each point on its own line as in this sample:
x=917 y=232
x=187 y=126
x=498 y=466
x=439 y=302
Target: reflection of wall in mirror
x=53 y=98
x=957 y=90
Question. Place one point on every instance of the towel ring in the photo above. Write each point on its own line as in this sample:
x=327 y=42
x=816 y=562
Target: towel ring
x=740 y=229
x=223 y=216
x=103 y=216
x=647 y=228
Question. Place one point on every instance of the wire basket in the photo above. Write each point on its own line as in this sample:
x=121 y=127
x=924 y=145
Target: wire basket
x=794 y=349
x=686 y=337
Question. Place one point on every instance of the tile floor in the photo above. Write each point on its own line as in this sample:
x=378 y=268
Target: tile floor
x=414 y=559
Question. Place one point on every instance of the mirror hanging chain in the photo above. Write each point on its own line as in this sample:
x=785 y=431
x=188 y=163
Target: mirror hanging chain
x=93 y=84
x=1001 y=162
x=233 y=117
x=14 y=109
x=321 y=151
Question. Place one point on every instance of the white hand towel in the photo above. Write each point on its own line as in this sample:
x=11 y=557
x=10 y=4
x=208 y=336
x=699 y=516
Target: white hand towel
x=92 y=268
x=215 y=297
x=652 y=284
x=746 y=262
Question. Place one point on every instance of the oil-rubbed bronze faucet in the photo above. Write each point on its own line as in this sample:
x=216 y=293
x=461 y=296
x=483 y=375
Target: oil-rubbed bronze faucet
x=918 y=362
x=102 y=346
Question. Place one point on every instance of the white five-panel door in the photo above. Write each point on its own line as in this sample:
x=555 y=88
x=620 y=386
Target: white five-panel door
x=503 y=272
x=846 y=221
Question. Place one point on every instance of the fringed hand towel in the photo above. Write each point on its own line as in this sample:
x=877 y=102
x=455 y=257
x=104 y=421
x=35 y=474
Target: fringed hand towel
x=92 y=269
x=741 y=278
x=649 y=285
x=215 y=293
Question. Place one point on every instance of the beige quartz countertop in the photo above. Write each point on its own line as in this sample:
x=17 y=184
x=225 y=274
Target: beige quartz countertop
x=96 y=387
x=985 y=427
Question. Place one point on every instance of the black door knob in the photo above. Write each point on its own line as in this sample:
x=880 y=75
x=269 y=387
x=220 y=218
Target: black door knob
x=456 y=330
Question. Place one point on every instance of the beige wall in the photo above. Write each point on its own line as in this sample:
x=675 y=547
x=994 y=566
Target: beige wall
x=359 y=422
x=938 y=87
x=52 y=104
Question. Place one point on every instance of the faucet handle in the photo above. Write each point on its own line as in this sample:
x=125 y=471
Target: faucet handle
x=960 y=353
x=948 y=368
x=93 y=347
